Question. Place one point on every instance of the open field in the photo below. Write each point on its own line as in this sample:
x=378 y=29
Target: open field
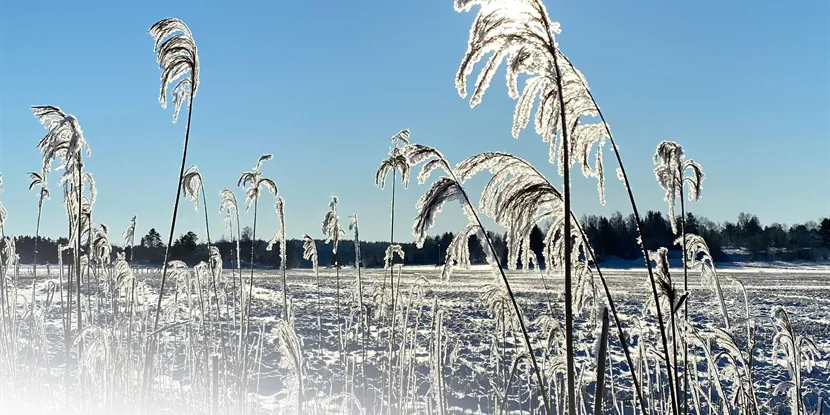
x=475 y=357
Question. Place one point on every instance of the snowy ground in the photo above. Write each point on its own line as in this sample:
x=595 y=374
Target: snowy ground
x=472 y=371
x=805 y=294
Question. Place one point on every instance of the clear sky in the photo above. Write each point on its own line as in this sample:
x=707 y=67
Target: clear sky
x=742 y=85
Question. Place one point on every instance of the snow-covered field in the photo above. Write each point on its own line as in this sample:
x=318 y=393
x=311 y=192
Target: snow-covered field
x=805 y=294
x=476 y=355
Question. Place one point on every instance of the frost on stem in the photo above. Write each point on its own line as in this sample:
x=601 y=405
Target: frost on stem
x=177 y=57
x=671 y=175
x=520 y=34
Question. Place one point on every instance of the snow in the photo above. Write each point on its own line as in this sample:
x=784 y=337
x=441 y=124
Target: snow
x=473 y=339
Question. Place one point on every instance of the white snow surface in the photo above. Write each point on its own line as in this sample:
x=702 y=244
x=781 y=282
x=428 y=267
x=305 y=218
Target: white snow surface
x=472 y=373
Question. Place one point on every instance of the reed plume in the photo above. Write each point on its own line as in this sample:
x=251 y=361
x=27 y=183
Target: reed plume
x=35 y=180
x=255 y=182
x=279 y=237
x=178 y=59
x=65 y=142
x=396 y=162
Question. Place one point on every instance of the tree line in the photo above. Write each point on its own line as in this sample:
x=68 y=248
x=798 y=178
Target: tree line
x=744 y=239
x=611 y=237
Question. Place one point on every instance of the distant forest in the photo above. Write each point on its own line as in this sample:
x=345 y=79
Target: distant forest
x=613 y=237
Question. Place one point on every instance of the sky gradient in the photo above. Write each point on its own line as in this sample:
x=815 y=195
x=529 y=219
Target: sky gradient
x=742 y=85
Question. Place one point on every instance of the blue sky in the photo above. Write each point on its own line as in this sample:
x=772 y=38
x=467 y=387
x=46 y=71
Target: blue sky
x=742 y=85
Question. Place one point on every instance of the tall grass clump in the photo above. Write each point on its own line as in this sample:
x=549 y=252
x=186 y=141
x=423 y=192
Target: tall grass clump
x=518 y=197
x=521 y=34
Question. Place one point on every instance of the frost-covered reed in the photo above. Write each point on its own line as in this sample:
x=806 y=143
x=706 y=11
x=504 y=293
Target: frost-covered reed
x=178 y=59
